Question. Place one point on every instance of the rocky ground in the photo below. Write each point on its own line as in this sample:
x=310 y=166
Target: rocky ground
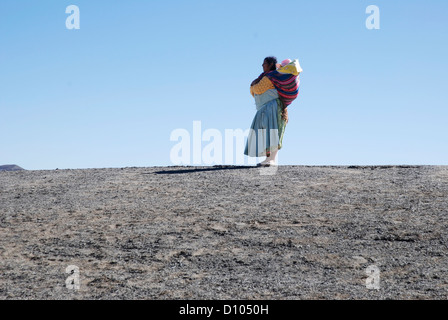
x=300 y=232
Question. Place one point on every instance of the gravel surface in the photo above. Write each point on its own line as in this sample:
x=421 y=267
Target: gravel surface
x=300 y=232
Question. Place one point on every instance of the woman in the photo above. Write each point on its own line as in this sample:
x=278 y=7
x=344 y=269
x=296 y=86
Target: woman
x=273 y=91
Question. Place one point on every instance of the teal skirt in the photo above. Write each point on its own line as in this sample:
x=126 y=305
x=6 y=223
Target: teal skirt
x=267 y=130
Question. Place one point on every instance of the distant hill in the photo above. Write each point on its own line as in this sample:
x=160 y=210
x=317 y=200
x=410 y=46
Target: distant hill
x=10 y=167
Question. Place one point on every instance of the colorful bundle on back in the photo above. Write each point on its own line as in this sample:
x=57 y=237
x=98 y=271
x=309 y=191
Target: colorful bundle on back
x=286 y=80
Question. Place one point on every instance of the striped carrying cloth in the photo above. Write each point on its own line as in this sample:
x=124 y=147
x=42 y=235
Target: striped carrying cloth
x=286 y=80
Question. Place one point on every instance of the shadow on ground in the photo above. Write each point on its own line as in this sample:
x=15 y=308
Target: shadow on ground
x=201 y=169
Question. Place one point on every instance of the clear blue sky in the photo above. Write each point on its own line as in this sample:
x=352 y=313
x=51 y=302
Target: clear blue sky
x=111 y=93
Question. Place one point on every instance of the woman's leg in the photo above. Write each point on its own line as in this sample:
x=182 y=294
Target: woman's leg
x=270 y=157
x=274 y=155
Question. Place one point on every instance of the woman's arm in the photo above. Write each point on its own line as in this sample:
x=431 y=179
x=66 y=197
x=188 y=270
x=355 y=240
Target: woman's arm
x=262 y=86
x=258 y=79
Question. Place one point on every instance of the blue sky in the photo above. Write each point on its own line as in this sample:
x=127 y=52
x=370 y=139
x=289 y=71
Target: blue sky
x=111 y=93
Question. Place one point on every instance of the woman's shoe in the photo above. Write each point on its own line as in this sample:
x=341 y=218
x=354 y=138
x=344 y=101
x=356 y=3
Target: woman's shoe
x=265 y=164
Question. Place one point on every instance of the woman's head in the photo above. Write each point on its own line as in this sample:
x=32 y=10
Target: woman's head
x=269 y=64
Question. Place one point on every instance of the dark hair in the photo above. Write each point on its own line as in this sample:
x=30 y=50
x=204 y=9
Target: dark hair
x=271 y=60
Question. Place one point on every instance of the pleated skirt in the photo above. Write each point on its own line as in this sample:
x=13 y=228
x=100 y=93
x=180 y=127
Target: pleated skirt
x=267 y=130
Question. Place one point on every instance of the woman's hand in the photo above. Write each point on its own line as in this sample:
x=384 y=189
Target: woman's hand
x=285 y=114
x=255 y=82
x=258 y=79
